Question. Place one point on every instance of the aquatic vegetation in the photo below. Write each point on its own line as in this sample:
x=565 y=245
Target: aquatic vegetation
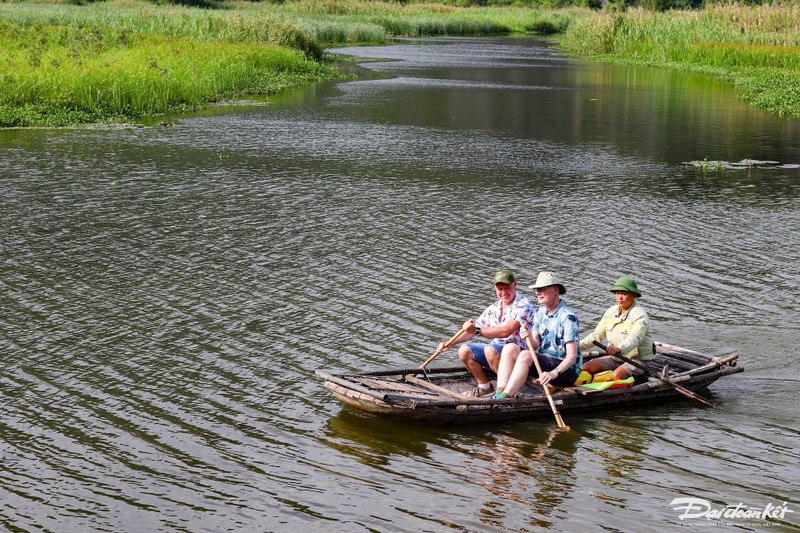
x=58 y=75
x=755 y=47
x=117 y=61
x=774 y=90
x=710 y=166
x=718 y=166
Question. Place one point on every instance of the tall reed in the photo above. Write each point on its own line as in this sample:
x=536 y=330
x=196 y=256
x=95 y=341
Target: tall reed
x=755 y=47
x=64 y=74
x=123 y=59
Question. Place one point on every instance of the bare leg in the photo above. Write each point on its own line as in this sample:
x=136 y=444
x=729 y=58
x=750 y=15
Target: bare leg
x=595 y=367
x=620 y=372
x=520 y=374
x=474 y=367
x=492 y=357
x=506 y=366
x=592 y=367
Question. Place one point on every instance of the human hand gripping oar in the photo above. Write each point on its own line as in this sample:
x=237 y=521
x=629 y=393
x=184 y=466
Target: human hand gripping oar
x=443 y=348
x=638 y=364
x=559 y=420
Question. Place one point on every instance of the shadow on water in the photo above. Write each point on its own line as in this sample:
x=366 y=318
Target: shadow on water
x=527 y=463
x=528 y=470
x=373 y=439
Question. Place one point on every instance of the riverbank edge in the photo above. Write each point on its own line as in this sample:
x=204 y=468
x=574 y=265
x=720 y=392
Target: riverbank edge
x=581 y=34
x=774 y=91
x=754 y=48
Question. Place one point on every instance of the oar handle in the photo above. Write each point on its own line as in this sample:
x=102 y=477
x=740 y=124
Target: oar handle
x=600 y=345
x=529 y=342
x=446 y=346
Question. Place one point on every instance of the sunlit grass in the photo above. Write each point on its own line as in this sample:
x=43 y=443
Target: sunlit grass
x=755 y=47
x=251 y=25
x=306 y=25
x=62 y=75
x=123 y=59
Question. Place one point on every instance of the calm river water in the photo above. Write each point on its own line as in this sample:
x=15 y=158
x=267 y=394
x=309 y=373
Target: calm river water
x=168 y=292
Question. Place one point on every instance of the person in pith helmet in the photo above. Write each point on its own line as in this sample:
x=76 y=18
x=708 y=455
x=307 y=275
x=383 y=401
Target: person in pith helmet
x=500 y=323
x=626 y=328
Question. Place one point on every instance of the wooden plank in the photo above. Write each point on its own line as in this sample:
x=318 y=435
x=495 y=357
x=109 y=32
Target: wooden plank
x=437 y=388
x=386 y=385
x=715 y=363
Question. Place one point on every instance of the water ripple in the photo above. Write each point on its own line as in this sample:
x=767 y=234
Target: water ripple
x=165 y=307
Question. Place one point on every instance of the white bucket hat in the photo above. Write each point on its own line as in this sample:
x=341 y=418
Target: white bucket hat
x=546 y=279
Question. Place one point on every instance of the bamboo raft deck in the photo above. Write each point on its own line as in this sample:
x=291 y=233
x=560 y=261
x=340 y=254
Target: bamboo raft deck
x=439 y=394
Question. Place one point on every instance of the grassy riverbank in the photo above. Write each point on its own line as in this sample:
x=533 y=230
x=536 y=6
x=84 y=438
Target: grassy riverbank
x=120 y=60
x=757 y=48
x=68 y=76
x=67 y=65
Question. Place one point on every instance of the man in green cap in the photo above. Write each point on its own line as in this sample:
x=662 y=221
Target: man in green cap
x=500 y=323
x=627 y=328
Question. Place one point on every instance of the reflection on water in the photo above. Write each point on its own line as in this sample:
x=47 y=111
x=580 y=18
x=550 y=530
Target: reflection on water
x=537 y=472
x=534 y=93
x=374 y=440
x=167 y=294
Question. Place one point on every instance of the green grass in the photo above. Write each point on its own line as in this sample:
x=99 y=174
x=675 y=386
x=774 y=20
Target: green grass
x=248 y=25
x=120 y=61
x=757 y=48
x=124 y=59
x=60 y=75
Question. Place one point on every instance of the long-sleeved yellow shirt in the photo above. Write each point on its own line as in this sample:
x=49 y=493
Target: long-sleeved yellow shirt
x=629 y=331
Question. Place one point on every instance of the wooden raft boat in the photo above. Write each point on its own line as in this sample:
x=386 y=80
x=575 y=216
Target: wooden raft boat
x=439 y=394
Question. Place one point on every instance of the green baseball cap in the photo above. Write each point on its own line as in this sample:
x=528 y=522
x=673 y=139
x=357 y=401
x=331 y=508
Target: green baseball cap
x=627 y=285
x=504 y=276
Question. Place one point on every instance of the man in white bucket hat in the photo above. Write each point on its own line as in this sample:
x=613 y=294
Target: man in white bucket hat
x=555 y=338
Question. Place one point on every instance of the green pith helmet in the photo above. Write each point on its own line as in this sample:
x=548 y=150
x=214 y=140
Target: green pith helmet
x=504 y=276
x=626 y=284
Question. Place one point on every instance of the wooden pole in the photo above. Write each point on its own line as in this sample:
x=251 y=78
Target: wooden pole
x=683 y=390
x=446 y=346
x=556 y=414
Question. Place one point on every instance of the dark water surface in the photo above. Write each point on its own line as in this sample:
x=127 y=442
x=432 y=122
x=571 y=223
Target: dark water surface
x=168 y=292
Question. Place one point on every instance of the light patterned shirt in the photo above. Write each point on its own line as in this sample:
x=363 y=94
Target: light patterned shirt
x=520 y=309
x=556 y=330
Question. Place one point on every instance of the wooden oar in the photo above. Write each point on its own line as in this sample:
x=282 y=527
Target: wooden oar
x=446 y=346
x=559 y=420
x=683 y=390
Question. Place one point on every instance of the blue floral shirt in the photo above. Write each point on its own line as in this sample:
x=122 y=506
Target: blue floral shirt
x=520 y=309
x=556 y=330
